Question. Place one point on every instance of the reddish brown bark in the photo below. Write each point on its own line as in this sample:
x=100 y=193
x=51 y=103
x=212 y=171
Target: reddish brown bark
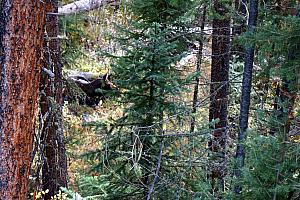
x=54 y=173
x=219 y=91
x=21 y=42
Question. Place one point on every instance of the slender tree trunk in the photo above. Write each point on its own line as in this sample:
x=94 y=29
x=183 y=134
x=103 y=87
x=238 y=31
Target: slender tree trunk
x=196 y=88
x=54 y=173
x=246 y=90
x=274 y=117
x=147 y=143
x=21 y=43
x=219 y=91
x=199 y=63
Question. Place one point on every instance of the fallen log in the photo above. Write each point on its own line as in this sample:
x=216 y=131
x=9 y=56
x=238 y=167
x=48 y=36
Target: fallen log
x=85 y=6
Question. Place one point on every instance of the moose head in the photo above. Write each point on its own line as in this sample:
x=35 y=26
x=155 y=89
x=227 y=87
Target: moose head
x=94 y=87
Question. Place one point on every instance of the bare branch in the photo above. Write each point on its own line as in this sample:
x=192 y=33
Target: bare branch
x=157 y=171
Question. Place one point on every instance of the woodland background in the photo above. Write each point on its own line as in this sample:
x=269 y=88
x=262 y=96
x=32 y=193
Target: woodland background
x=149 y=99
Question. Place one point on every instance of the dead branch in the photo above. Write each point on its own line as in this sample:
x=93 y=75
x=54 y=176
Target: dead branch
x=85 y=6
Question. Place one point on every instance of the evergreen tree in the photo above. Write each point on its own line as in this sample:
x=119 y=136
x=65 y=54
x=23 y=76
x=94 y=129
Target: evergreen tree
x=269 y=170
x=148 y=78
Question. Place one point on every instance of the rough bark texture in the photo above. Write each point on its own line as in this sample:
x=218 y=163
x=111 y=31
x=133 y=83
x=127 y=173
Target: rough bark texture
x=54 y=173
x=219 y=91
x=21 y=42
x=246 y=91
x=85 y=5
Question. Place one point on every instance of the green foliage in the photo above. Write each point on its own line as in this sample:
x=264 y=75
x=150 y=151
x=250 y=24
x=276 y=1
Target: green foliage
x=272 y=169
x=83 y=34
x=278 y=40
x=150 y=83
x=73 y=32
x=162 y=11
x=149 y=67
x=147 y=76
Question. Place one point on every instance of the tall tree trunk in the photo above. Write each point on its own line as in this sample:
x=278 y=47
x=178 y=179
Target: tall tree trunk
x=21 y=42
x=246 y=90
x=219 y=91
x=54 y=173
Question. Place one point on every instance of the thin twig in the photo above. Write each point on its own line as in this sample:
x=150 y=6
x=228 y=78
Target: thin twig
x=157 y=171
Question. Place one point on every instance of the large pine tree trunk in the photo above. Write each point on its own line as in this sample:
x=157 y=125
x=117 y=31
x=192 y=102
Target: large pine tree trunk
x=219 y=91
x=246 y=90
x=21 y=44
x=54 y=173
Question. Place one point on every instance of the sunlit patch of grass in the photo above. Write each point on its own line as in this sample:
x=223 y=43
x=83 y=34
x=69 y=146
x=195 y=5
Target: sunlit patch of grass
x=81 y=137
